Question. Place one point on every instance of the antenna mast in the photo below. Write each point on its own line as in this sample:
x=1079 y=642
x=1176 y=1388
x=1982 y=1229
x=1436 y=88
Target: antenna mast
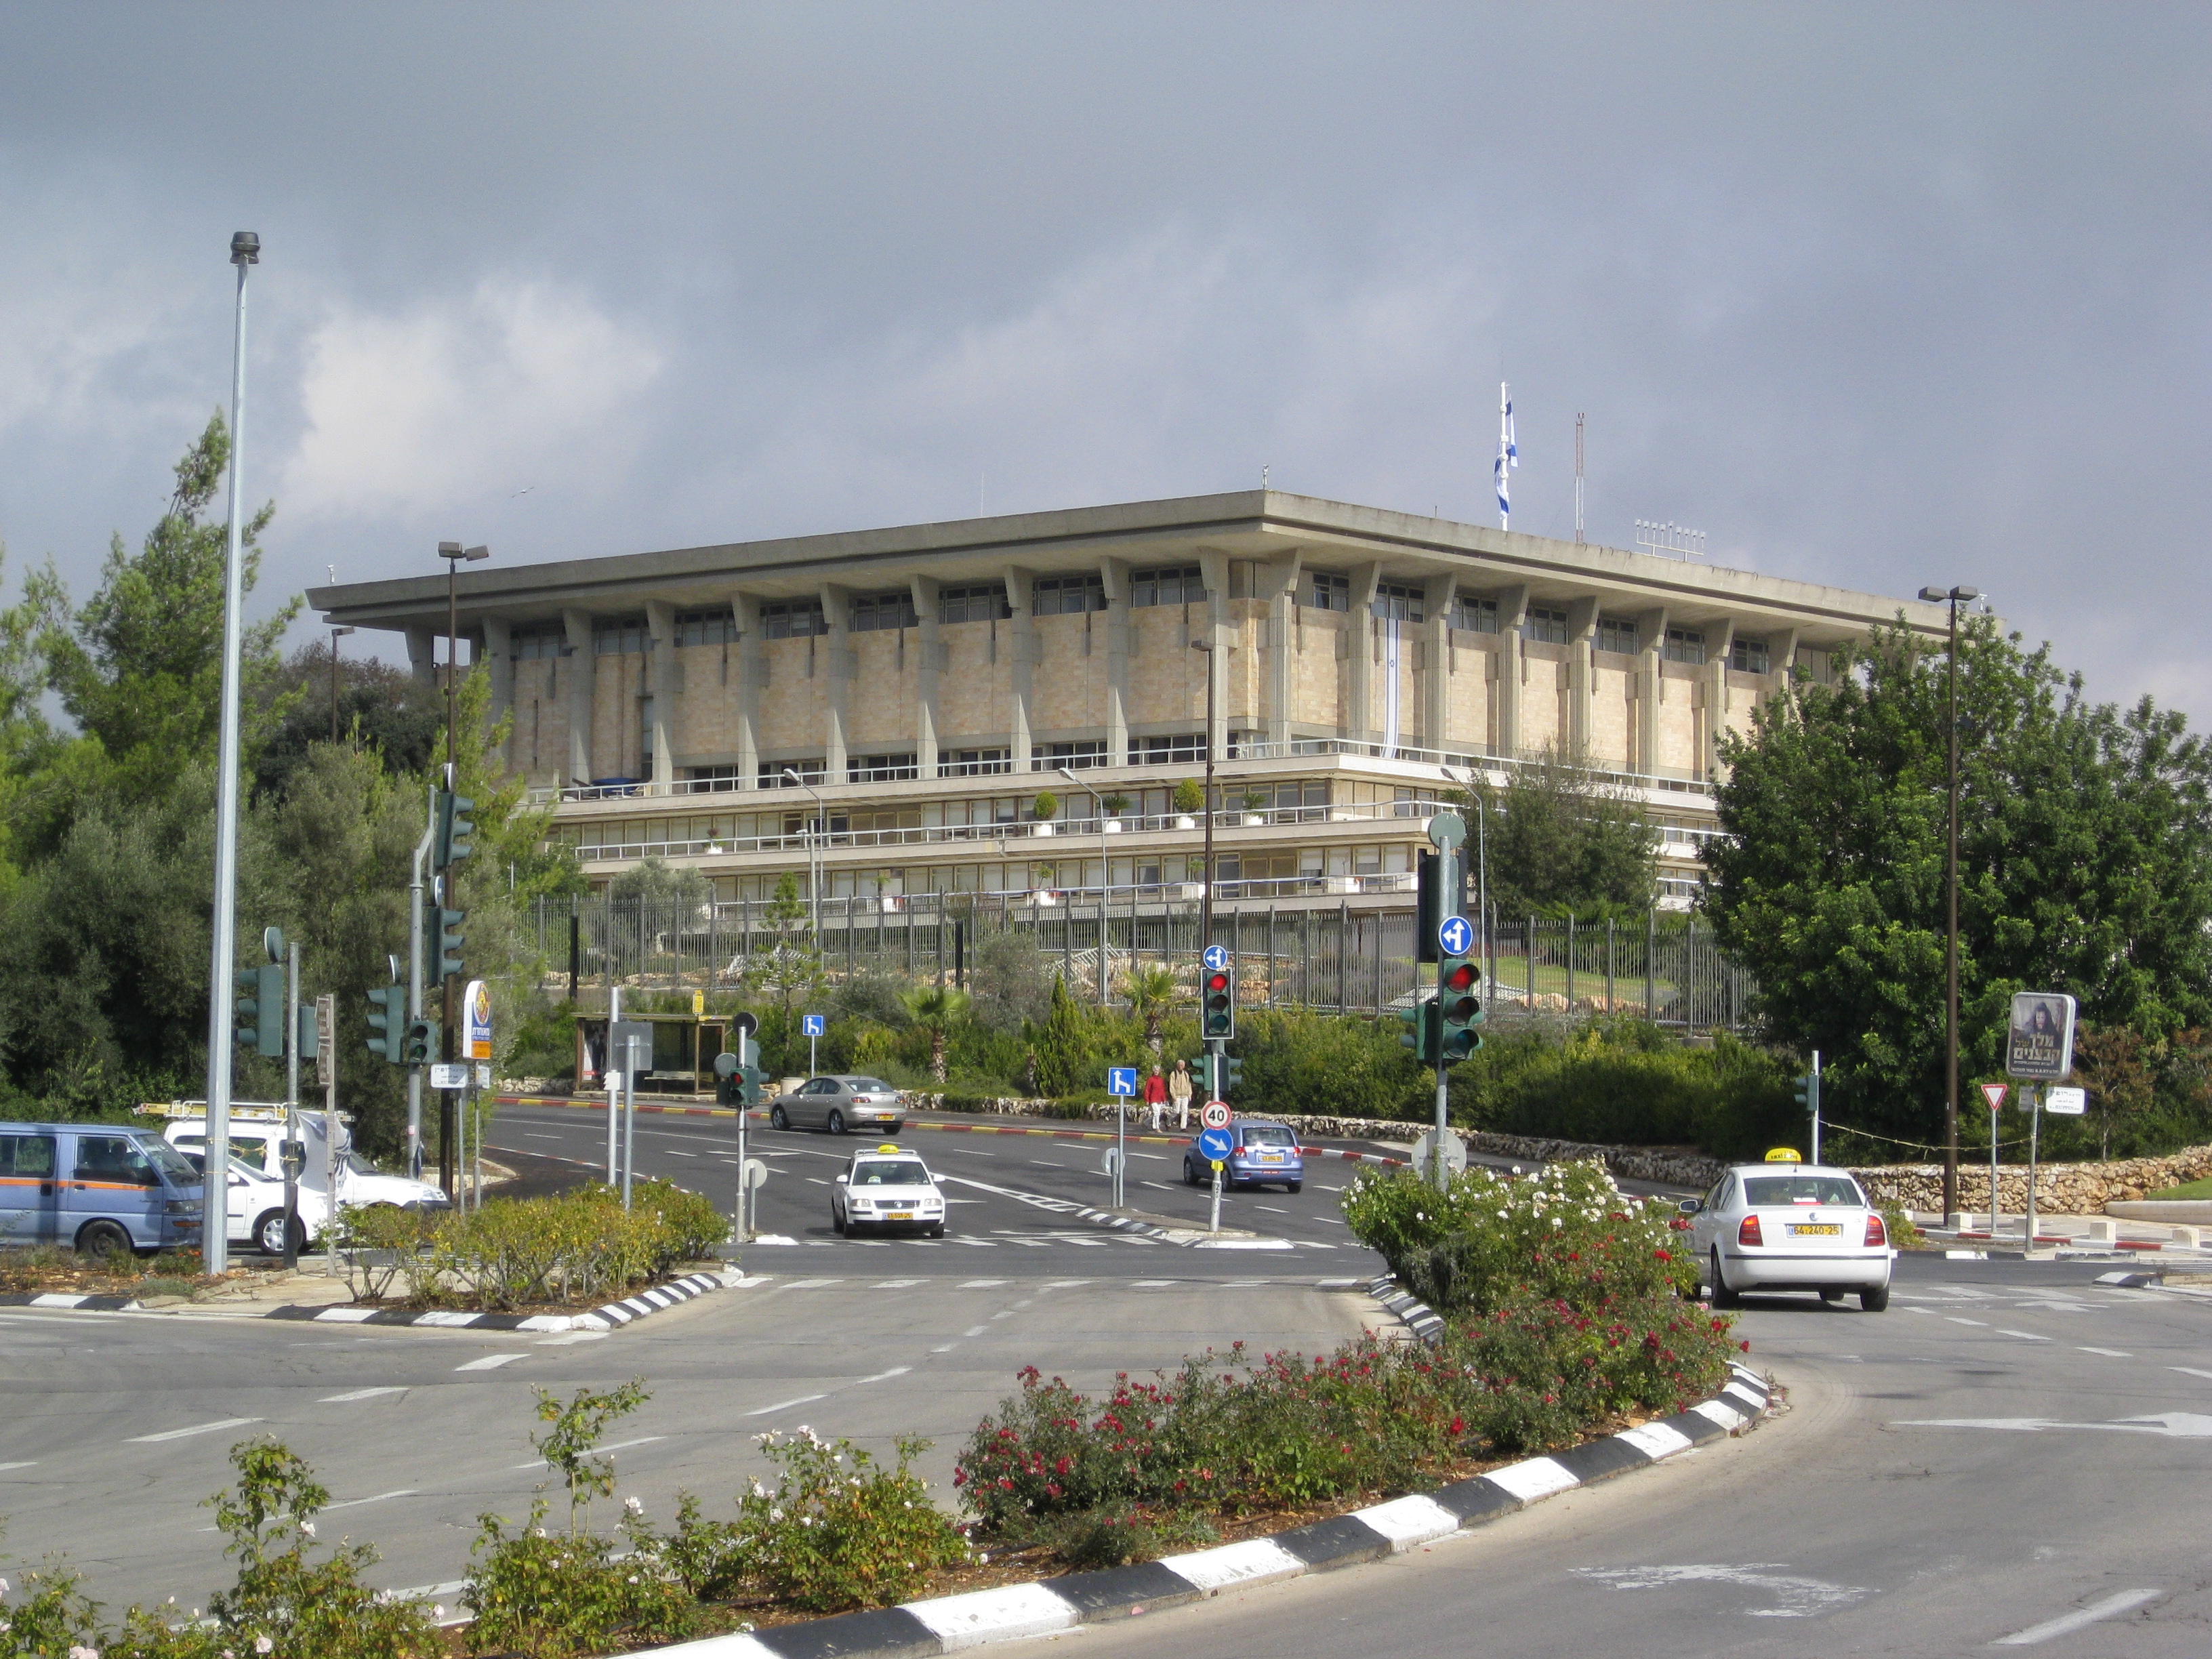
x=1578 y=480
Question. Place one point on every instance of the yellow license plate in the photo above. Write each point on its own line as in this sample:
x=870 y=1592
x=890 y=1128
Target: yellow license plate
x=907 y=1215
x=1817 y=1230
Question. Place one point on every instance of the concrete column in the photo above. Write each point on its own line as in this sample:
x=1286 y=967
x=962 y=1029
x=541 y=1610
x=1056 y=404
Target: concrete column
x=1282 y=677
x=929 y=660
x=837 y=611
x=1114 y=575
x=1360 y=712
x=1436 y=669
x=1582 y=634
x=665 y=680
x=1651 y=635
x=583 y=685
x=1222 y=635
x=1720 y=640
x=1780 y=652
x=1021 y=661
x=1512 y=612
x=422 y=655
x=752 y=664
x=499 y=652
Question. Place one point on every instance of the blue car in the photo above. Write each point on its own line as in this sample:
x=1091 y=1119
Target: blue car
x=1264 y=1155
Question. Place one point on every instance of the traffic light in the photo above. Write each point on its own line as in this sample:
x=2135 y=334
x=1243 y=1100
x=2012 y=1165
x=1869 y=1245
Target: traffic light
x=1232 y=1075
x=456 y=830
x=445 y=930
x=1809 y=1093
x=260 y=1010
x=421 y=1047
x=307 y=1033
x=1437 y=880
x=1423 y=1034
x=1459 y=1007
x=387 y=1023
x=1218 y=1005
x=752 y=1085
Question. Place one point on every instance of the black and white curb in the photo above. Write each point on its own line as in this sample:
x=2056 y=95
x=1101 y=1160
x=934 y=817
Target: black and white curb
x=612 y=1316
x=1418 y=1316
x=946 y=1624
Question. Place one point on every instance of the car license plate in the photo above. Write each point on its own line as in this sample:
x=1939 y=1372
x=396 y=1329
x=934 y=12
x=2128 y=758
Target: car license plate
x=901 y=1215
x=1271 y=1157
x=1816 y=1230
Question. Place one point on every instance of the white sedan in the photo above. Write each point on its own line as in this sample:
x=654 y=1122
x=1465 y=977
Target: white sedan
x=1787 y=1225
x=888 y=1188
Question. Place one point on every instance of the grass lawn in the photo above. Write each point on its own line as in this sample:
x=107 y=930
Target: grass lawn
x=2194 y=1189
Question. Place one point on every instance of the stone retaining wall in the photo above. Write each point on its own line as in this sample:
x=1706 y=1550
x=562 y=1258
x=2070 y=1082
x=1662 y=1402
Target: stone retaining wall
x=2060 y=1189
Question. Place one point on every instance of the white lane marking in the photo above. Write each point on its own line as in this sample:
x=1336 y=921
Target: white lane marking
x=198 y=1428
x=491 y=1362
x=1956 y=1319
x=976 y=1330
x=1068 y=1284
x=2188 y=1371
x=1325 y=1187
x=979 y=1285
x=1271 y=1209
x=356 y=1503
x=2067 y=1623
x=2025 y=1336
x=31 y=1465
x=358 y=1394
x=1149 y=1283
x=2175 y=1426
x=893 y=1284
x=1046 y=1164
x=806 y=1398
x=1162 y=1185
x=810 y=1284
x=618 y=1445
x=946 y=1348
x=1156 y=1157
x=670 y=1151
x=531 y=1134
x=1794 y=1597
x=570 y=1339
x=2109 y=1353
x=815 y=1181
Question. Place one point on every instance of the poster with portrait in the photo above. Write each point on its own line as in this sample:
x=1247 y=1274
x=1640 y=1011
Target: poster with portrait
x=2039 y=1043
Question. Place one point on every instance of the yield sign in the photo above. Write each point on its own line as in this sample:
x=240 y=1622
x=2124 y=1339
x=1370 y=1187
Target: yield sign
x=1995 y=1093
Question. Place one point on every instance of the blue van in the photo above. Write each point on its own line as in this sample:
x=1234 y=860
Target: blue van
x=95 y=1187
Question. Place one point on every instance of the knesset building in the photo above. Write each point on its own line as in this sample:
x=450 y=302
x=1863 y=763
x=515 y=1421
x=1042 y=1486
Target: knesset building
x=911 y=691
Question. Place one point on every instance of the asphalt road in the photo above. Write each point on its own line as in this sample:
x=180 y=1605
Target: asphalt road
x=114 y=1427
x=2011 y=1457
x=1013 y=1189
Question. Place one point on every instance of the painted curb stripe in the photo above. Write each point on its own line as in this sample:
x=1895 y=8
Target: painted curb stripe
x=1254 y=1561
x=1533 y=1479
x=1407 y=1521
x=1656 y=1440
x=994 y=1615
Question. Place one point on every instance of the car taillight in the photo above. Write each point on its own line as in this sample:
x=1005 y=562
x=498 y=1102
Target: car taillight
x=1748 y=1233
x=1876 y=1233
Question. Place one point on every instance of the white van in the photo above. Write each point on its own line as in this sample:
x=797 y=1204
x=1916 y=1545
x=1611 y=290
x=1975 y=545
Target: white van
x=256 y=1184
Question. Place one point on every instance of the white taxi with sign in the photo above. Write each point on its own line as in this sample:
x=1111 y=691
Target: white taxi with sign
x=1785 y=1224
x=888 y=1188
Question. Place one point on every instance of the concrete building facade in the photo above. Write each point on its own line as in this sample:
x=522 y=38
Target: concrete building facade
x=909 y=693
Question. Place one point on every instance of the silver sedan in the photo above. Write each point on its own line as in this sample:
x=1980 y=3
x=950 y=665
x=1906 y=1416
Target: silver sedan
x=839 y=1103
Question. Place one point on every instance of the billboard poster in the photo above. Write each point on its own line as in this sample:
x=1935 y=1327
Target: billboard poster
x=476 y=1020
x=2040 y=1042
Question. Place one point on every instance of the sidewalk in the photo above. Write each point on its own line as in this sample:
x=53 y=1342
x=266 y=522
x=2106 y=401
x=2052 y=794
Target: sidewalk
x=2073 y=1236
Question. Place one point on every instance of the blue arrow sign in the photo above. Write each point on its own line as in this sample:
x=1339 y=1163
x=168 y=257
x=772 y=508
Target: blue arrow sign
x=1121 y=1079
x=1214 y=1144
x=1456 y=934
x=1216 y=958
x=810 y=1025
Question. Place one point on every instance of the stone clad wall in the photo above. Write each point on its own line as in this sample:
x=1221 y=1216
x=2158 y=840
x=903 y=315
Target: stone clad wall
x=2060 y=1189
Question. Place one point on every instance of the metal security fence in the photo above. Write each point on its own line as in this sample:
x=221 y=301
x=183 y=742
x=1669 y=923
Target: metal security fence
x=1664 y=967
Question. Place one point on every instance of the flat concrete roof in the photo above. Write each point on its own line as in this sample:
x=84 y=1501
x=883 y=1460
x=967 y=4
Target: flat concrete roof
x=1246 y=525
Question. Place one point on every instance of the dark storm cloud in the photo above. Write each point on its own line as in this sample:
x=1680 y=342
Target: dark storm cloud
x=1876 y=296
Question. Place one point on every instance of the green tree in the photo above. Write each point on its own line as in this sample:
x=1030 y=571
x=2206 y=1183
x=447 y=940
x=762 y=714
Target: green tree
x=2084 y=836
x=790 y=966
x=1152 y=992
x=937 y=1009
x=1562 y=840
x=1063 y=1046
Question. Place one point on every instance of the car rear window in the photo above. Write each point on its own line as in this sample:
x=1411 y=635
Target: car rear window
x=1760 y=1190
x=1268 y=1134
x=870 y=1086
x=887 y=1173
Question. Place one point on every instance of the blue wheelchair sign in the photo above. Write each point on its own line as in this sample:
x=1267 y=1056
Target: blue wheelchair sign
x=1121 y=1081
x=1216 y=958
x=810 y=1025
x=1456 y=934
x=1214 y=1144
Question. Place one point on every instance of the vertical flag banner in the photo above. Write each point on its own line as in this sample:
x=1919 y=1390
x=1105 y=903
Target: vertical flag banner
x=1390 y=687
x=1508 y=456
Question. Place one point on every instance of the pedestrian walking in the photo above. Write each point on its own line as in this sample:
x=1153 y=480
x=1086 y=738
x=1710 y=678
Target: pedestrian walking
x=1179 y=1093
x=1155 y=1096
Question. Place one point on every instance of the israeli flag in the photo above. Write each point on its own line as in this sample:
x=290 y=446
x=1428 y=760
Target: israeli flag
x=1508 y=455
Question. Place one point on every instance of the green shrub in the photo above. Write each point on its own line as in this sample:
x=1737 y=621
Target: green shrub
x=547 y=1595
x=1296 y=1060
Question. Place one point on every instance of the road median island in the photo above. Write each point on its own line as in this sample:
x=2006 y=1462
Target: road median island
x=1559 y=1348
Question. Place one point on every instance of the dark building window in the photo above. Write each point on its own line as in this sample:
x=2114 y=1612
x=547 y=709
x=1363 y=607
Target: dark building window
x=880 y=768
x=1475 y=615
x=1087 y=751
x=878 y=611
x=977 y=602
x=717 y=626
x=1749 y=657
x=619 y=636
x=1395 y=601
x=1328 y=593
x=973 y=762
x=1544 y=626
x=1184 y=585
x=791 y=619
x=1059 y=596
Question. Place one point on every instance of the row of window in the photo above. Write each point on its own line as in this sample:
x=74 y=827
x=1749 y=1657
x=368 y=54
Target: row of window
x=1052 y=596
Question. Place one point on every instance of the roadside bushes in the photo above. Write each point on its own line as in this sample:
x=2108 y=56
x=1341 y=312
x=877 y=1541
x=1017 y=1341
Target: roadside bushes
x=579 y=1246
x=1331 y=1065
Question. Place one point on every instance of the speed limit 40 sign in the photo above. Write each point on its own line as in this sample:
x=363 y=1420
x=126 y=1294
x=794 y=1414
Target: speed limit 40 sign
x=1214 y=1115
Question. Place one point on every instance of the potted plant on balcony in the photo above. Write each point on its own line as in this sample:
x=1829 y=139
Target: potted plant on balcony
x=1189 y=801
x=1044 y=809
x=1256 y=806
x=1115 y=805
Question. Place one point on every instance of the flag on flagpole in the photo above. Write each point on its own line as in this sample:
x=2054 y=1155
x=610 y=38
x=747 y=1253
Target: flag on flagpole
x=1508 y=456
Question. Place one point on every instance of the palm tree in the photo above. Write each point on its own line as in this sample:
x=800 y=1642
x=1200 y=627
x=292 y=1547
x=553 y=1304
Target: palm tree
x=936 y=1009
x=1152 y=992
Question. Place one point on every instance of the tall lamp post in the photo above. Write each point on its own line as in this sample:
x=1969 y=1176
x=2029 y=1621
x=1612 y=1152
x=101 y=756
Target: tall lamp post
x=337 y=634
x=1954 y=597
x=215 y=1212
x=814 y=851
x=454 y=555
x=449 y=1035
x=1205 y=894
x=1098 y=805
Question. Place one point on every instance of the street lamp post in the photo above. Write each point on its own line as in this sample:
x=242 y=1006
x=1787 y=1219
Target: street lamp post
x=1955 y=596
x=1098 y=805
x=814 y=829
x=454 y=555
x=449 y=1035
x=215 y=1212
x=1206 y=893
x=337 y=634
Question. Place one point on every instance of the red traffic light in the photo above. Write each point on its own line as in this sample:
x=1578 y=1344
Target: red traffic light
x=1462 y=978
x=1216 y=982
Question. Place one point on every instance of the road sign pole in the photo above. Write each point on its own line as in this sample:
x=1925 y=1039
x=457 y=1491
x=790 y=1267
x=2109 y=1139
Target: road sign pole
x=744 y=1231
x=1994 y=1109
x=1121 y=1149
x=1213 y=1226
x=613 y=1080
x=2034 y=1122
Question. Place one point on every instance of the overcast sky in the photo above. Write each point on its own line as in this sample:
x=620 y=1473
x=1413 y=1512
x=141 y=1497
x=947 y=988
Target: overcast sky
x=1878 y=296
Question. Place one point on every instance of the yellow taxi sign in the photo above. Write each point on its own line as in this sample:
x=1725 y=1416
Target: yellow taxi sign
x=1784 y=1155
x=887 y=1146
